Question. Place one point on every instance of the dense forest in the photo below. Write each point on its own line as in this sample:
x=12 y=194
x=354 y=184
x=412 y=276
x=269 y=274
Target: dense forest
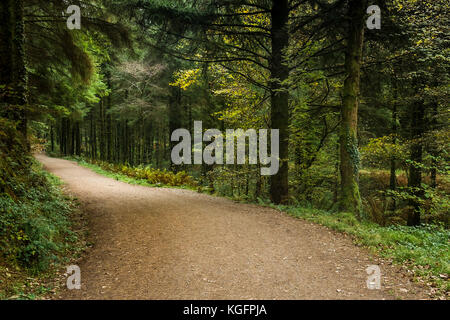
x=357 y=89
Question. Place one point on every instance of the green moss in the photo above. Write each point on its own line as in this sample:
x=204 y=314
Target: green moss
x=353 y=152
x=350 y=199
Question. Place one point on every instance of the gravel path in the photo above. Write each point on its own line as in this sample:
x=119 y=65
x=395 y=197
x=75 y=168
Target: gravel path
x=156 y=243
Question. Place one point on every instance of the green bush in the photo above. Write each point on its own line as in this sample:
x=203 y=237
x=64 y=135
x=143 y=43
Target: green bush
x=35 y=226
x=34 y=216
x=150 y=175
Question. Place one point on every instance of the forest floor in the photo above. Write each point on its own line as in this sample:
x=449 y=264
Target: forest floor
x=160 y=243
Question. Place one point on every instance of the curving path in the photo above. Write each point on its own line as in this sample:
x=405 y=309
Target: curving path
x=156 y=243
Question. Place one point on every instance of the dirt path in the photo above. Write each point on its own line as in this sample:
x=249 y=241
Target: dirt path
x=155 y=243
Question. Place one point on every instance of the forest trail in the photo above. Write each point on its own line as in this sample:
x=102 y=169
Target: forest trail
x=157 y=243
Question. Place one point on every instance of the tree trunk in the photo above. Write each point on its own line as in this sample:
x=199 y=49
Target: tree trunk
x=109 y=133
x=336 y=178
x=279 y=188
x=13 y=75
x=434 y=148
x=62 y=137
x=415 y=171
x=52 y=139
x=393 y=176
x=350 y=199
x=91 y=135
x=102 y=136
x=77 y=139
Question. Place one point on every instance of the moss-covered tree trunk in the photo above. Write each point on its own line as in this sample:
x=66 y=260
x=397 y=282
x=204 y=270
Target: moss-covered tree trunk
x=350 y=199
x=13 y=76
x=279 y=97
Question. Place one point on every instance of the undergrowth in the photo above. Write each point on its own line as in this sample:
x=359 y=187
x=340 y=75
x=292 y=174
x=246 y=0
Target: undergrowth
x=139 y=175
x=36 y=226
x=36 y=235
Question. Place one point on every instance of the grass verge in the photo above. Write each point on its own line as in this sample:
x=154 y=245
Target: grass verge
x=41 y=231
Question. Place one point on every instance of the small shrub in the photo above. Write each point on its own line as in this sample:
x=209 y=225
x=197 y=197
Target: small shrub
x=34 y=227
x=34 y=216
x=151 y=175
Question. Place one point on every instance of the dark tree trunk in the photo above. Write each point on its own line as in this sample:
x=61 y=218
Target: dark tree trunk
x=109 y=133
x=434 y=148
x=91 y=135
x=13 y=75
x=71 y=133
x=62 y=137
x=77 y=138
x=336 y=177
x=52 y=139
x=126 y=144
x=102 y=136
x=279 y=187
x=158 y=147
x=119 y=142
x=415 y=171
x=393 y=175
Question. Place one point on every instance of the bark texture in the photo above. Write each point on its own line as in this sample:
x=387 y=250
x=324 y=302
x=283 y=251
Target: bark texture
x=350 y=199
x=279 y=97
